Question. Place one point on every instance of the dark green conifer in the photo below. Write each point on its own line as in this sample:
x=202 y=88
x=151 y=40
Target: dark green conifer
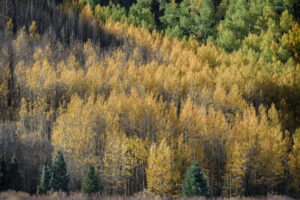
x=207 y=17
x=3 y=174
x=194 y=183
x=91 y=183
x=14 y=175
x=45 y=180
x=59 y=177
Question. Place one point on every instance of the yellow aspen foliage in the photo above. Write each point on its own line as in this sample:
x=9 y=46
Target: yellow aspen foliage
x=118 y=163
x=211 y=149
x=294 y=163
x=9 y=27
x=21 y=44
x=95 y=78
x=262 y=143
x=189 y=121
x=33 y=35
x=182 y=160
x=294 y=40
x=20 y=73
x=160 y=170
x=229 y=102
x=90 y=54
x=41 y=77
x=235 y=170
x=210 y=54
x=72 y=62
x=87 y=12
x=78 y=134
x=4 y=88
x=73 y=79
x=139 y=152
x=273 y=146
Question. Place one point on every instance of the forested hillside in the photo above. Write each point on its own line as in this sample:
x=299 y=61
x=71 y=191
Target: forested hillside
x=136 y=92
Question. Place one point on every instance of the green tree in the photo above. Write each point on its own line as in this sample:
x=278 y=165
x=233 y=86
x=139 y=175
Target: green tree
x=207 y=17
x=282 y=5
x=91 y=183
x=117 y=13
x=171 y=15
x=189 y=18
x=45 y=180
x=236 y=25
x=15 y=179
x=141 y=14
x=286 y=21
x=3 y=174
x=194 y=183
x=59 y=177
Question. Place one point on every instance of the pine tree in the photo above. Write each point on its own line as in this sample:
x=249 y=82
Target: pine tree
x=171 y=16
x=59 y=177
x=235 y=26
x=15 y=180
x=207 y=17
x=141 y=14
x=91 y=183
x=194 y=183
x=3 y=174
x=286 y=21
x=45 y=180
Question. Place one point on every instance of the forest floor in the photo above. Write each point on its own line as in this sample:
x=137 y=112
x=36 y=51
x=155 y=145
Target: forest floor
x=12 y=195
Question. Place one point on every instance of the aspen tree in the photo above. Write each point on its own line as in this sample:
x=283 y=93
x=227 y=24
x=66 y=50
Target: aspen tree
x=87 y=12
x=159 y=171
x=79 y=137
x=4 y=89
x=21 y=45
x=235 y=171
x=117 y=163
x=294 y=164
x=33 y=35
x=9 y=27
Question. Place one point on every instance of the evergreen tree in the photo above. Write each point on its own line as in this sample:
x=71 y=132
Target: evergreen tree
x=286 y=21
x=207 y=17
x=194 y=183
x=45 y=180
x=91 y=183
x=141 y=14
x=171 y=15
x=282 y=5
x=15 y=180
x=3 y=174
x=59 y=177
x=236 y=25
x=189 y=18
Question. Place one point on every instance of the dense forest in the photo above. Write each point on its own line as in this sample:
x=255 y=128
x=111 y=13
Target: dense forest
x=140 y=93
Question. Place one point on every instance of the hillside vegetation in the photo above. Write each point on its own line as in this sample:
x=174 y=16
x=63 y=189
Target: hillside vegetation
x=141 y=101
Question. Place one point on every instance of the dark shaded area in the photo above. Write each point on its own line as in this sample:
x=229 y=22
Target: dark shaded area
x=23 y=12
